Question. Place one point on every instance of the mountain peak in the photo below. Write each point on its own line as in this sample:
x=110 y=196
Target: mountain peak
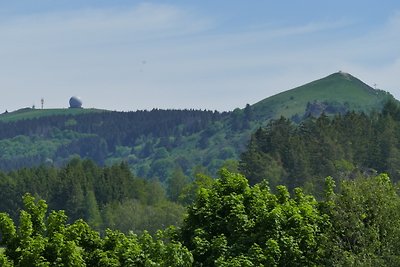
x=345 y=75
x=335 y=80
x=339 y=92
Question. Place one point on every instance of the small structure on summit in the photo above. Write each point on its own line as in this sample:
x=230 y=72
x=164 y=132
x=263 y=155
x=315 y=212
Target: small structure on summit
x=75 y=102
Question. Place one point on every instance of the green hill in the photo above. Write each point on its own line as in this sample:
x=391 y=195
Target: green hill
x=338 y=92
x=30 y=113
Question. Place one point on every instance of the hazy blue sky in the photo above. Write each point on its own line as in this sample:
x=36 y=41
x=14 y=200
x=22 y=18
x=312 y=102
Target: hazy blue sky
x=129 y=55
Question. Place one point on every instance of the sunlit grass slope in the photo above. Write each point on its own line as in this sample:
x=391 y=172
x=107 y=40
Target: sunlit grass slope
x=339 y=88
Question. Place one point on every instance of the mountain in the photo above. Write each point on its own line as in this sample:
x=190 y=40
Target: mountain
x=156 y=143
x=337 y=93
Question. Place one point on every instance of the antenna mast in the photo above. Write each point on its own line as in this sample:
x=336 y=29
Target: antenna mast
x=42 y=101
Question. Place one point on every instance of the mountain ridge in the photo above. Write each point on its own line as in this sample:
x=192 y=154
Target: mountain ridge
x=280 y=104
x=156 y=142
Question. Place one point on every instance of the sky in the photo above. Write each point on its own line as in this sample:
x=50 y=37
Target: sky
x=216 y=55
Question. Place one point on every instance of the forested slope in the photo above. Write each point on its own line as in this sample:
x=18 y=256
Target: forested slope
x=154 y=143
x=148 y=140
x=344 y=147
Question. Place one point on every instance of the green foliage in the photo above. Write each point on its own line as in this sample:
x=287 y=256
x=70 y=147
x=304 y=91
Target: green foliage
x=176 y=184
x=191 y=190
x=99 y=195
x=229 y=224
x=233 y=224
x=4 y=261
x=134 y=216
x=41 y=241
x=92 y=211
x=31 y=243
x=365 y=224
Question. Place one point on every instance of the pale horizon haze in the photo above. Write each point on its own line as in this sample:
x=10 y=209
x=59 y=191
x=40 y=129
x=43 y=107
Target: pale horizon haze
x=217 y=55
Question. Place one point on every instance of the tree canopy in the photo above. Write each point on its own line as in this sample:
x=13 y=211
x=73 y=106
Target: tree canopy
x=229 y=224
x=344 y=146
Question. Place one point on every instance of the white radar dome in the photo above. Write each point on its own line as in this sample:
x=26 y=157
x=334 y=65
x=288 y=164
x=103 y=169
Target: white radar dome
x=75 y=102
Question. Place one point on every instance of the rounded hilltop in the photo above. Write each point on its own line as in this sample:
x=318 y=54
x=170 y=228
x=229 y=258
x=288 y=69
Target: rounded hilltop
x=75 y=102
x=75 y=108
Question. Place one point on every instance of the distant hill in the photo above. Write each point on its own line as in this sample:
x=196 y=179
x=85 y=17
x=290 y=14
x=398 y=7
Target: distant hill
x=32 y=113
x=157 y=142
x=337 y=93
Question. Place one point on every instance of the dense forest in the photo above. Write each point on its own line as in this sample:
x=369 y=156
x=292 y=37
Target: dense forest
x=343 y=146
x=282 y=153
x=153 y=143
x=106 y=197
x=229 y=224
